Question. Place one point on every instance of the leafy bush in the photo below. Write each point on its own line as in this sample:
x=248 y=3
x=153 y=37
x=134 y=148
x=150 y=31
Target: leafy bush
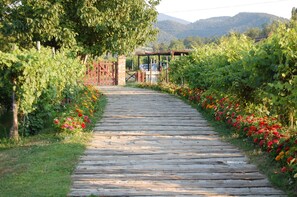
x=261 y=73
x=39 y=80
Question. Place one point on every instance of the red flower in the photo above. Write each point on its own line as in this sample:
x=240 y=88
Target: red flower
x=287 y=148
x=261 y=131
x=80 y=115
x=284 y=169
x=279 y=149
x=253 y=128
x=289 y=160
x=275 y=141
x=256 y=140
x=261 y=143
x=56 y=121
x=83 y=125
x=270 y=143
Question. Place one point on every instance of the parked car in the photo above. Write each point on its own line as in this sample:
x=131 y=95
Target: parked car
x=145 y=67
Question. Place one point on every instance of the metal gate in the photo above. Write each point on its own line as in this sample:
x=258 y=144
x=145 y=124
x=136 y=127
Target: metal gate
x=101 y=74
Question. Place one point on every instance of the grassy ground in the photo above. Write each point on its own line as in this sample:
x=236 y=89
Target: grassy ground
x=41 y=165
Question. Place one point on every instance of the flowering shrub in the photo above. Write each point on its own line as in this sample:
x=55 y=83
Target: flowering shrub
x=77 y=117
x=265 y=132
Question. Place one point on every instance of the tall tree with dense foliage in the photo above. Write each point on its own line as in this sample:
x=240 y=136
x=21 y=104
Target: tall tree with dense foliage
x=93 y=25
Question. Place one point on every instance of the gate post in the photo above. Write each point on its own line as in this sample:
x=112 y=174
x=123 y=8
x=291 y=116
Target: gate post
x=121 y=70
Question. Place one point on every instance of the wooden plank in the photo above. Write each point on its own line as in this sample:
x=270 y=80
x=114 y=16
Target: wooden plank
x=105 y=183
x=154 y=128
x=170 y=167
x=152 y=133
x=159 y=152
x=169 y=156
x=133 y=161
x=145 y=191
x=173 y=176
x=156 y=144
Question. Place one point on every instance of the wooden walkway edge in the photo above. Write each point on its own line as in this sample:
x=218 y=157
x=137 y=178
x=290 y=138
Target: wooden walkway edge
x=153 y=144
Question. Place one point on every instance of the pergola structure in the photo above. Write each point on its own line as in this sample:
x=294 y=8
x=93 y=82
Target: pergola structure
x=170 y=54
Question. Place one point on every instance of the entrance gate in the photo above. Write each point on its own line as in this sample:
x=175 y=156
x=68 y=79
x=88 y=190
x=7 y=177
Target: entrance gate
x=101 y=74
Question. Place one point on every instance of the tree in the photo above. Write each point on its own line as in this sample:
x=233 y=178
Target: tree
x=93 y=25
x=192 y=42
x=294 y=14
x=157 y=47
x=176 y=45
x=254 y=33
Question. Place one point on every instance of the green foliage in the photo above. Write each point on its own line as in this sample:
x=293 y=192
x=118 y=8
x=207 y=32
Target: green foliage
x=263 y=74
x=95 y=26
x=38 y=74
x=210 y=64
x=40 y=81
x=176 y=45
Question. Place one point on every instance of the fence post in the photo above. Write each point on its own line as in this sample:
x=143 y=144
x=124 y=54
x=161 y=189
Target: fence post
x=85 y=59
x=54 y=51
x=121 y=70
x=38 y=45
x=167 y=67
x=151 y=65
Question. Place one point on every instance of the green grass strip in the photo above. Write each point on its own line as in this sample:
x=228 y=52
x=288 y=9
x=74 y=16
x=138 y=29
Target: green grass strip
x=42 y=165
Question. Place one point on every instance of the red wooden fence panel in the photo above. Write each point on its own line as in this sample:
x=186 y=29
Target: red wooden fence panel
x=101 y=74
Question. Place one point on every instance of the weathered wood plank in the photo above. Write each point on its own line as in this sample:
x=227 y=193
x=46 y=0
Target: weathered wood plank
x=133 y=161
x=153 y=133
x=105 y=183
x=169 y=156
x=154 y=128
x=163 y=190
x=173 y=176
x=152 y=153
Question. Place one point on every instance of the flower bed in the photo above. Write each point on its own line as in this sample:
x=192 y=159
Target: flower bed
x=265 y=132
x=77 y=115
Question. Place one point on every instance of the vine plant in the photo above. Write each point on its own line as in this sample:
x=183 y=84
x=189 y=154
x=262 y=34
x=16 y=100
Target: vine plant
x=26 y=75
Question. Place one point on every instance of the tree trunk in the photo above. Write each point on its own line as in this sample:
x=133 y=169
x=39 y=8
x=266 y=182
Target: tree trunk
x=85 y=59
x=14 y=131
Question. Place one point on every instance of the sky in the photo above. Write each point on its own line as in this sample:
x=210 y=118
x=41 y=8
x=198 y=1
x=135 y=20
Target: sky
x=193 y=10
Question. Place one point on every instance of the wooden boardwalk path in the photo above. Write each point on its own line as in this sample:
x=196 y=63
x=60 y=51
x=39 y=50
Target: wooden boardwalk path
x=153 y=144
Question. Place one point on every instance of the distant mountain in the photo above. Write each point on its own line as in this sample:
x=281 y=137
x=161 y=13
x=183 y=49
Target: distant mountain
x=164 y=17
x=216 y=26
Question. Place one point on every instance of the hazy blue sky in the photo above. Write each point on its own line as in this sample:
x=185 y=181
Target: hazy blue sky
x=193 y=10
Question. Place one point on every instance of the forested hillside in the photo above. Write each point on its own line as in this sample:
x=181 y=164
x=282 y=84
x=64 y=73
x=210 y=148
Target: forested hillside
x=213 y=27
